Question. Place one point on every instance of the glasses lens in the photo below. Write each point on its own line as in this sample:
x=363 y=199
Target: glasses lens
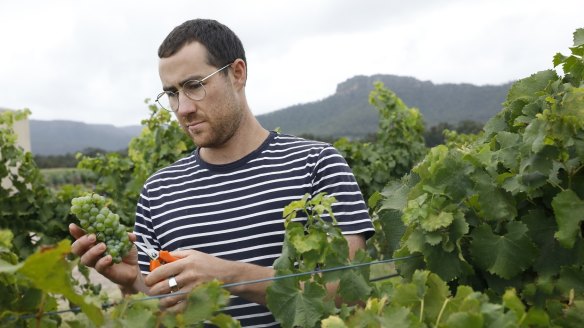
x=167 y=101
x=194 y=89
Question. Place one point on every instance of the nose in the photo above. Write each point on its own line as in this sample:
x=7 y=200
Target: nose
x=185 y=104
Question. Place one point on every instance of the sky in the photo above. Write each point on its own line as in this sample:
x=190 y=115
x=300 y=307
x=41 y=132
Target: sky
x=96 y=61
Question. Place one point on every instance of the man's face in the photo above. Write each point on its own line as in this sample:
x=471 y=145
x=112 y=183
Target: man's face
x=209 y=122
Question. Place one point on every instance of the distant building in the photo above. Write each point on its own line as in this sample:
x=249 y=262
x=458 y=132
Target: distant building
x=22 y=130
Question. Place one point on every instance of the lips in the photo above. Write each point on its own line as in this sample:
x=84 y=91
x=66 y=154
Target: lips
x=194 y=125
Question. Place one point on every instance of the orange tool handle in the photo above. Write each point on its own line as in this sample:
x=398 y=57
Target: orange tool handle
x=165 y=257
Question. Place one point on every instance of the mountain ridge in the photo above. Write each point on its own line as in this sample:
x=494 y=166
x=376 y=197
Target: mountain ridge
x=347 y=113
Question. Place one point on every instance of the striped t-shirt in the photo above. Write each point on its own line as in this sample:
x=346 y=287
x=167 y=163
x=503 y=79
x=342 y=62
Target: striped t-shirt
x=234 y=211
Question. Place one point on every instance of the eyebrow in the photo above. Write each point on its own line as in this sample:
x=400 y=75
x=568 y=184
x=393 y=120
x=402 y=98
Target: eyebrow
x=181 y=83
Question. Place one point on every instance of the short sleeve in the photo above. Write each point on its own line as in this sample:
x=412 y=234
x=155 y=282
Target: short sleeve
x=333 y=176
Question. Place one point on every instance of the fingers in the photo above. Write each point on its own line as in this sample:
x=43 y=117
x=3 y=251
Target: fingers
x=93 y=254
x=76 y=231
x=83 y=243
x=175 y=295
x=183 y=253
x=174 y=303
x=162 y=273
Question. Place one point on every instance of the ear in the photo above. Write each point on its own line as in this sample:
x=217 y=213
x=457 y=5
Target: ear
x=239 y=69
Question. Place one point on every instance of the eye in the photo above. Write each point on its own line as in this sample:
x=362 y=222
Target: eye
x=192 y=86
x=171 y=94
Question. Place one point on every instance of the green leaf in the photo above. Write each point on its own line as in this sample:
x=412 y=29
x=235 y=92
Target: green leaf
x=536 y=317
x=435 y=297
x=579 y=37
x=50 y=271
x=333 y=322
x=407 y=267
x=465 y=320
x=559 y=59
x=511 y=301
x=204 y=301
x=6 y=267
x=508 y=149
x=528 y=88
x=572 y=277
x=395 y=196
x=447 y=265
x=569 y=212
x=434 y=222
x=551 y=256
x=223 y=320
x=496 y=204
x=353 y=286
x=503 y=255
x=140 y=314
x=293 y=307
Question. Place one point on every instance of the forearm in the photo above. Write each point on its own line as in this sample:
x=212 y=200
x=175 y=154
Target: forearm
x=244 y=272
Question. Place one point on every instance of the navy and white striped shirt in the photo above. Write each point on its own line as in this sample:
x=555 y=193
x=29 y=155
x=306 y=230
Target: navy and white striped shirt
x=234 y=211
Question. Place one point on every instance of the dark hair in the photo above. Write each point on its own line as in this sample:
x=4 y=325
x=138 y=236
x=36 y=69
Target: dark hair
x=223 y=46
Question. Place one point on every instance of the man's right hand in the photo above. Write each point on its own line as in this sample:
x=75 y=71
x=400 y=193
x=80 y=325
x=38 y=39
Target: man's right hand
x=125 y=273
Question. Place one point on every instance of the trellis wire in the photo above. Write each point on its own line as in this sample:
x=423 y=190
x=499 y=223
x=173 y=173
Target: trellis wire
x=241 y=283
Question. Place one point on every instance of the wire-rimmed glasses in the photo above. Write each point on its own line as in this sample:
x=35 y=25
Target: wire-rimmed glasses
x=193 y=89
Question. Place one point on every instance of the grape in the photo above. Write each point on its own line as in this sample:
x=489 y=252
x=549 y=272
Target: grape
x=95 y=217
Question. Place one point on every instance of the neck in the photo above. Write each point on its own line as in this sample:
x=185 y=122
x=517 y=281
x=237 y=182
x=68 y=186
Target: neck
x=248 y=137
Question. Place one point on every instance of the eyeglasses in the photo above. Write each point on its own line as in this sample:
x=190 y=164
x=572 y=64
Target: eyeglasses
x=193 y=89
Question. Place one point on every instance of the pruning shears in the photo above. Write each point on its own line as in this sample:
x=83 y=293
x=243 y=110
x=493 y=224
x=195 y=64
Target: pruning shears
x=157 y=258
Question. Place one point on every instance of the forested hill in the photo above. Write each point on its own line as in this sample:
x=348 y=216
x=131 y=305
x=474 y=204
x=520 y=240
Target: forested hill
x=348 y=113
x=345 y=113
x=60 y=137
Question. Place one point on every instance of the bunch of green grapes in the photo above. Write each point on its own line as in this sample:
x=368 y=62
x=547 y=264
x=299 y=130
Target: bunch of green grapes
x=94 y=217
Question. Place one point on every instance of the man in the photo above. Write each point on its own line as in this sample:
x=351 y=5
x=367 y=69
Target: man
x=219 y=210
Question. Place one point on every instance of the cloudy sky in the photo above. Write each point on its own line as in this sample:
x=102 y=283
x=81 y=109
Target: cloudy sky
x=95 y=61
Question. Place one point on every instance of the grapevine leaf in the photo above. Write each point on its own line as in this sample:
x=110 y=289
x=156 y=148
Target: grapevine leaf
x=6 y=237
x=416 y=241
x=506 y=255
x=536 y=317
x=139 y=314
x=407 y=266
x=552 y=256
x=572 y=277
x=571 y=317
x=395 y=196
x=6 y=267
x=507 y=152
x=436 y=221
x=50 y=271
x=392 y=229
x=204 y=301
x=569 y=212
x=406 y=295
x=512 y=302
x=333 y=322
x=397 y=317
x=435 y=297
x=572 y=108
x=559 y=59
x=447 y=265
x=465 y=320
x=495 y=203
x=223 y=320
x=353 y=286
x=579 y=37
x=529 y=87
x=293 y=307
